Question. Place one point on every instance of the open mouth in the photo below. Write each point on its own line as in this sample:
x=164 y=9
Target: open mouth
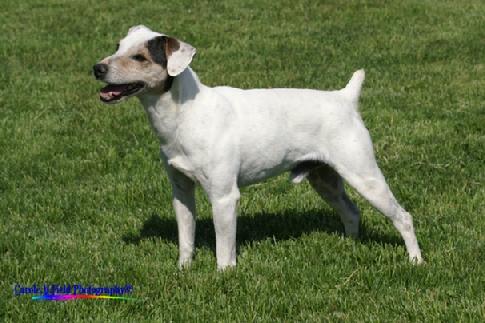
x=113 y=93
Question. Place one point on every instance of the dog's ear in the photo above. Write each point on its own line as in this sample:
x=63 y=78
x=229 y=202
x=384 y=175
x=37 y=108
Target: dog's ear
x=171 y=53
x=179 y=55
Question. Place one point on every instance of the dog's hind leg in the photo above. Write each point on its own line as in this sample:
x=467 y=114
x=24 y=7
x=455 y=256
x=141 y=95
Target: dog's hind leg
x=357 y=165
x=330 y=186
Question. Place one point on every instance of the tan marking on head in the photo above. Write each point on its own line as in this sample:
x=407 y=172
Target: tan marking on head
x=127 y=62
x=144 y=51
x=125 y=68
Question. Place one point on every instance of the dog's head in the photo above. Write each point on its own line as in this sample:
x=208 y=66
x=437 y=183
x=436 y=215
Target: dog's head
x=144 y=61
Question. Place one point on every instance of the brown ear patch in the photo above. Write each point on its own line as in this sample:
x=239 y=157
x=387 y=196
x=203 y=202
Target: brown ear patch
x=171 y=45
x=161 y=47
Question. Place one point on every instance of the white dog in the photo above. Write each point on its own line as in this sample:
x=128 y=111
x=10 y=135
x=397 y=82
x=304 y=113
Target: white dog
x=225 y=138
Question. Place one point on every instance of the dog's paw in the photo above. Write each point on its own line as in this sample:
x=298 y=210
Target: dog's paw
x=226 y=267
x=184 y=263
x=417 y=260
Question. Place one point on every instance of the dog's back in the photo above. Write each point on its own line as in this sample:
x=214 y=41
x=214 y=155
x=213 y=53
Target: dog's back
x=288 y=118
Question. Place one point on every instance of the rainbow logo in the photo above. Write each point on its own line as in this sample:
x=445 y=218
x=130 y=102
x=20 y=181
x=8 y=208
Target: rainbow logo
x=71 y=297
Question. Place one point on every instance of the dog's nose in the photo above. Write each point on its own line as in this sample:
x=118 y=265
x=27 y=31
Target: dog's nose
x=100 y=70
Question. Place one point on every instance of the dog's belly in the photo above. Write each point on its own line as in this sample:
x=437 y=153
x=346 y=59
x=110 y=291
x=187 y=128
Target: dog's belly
x=257 y=171
x=270 y=146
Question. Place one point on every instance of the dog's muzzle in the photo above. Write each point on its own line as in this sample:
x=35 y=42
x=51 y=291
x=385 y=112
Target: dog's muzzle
x=100 y=70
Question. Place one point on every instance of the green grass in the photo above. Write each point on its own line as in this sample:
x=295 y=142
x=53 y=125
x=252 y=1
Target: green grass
x=84 y=198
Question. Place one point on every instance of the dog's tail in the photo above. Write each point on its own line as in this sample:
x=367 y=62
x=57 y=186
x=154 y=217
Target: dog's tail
x=352 y=89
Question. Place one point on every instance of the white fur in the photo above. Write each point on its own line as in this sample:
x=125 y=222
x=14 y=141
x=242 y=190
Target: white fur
x=225 y=138
x=137 y=35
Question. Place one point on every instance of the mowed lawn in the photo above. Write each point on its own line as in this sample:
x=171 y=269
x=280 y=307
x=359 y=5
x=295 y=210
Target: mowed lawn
x=84 y=198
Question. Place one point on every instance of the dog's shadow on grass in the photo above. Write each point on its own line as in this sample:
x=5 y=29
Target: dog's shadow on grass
x=257 y=227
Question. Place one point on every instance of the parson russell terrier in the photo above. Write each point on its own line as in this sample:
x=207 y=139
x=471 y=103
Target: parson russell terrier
x=225 y=138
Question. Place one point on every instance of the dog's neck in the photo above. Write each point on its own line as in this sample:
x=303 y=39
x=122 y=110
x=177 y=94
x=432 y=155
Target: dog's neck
x=163 y=109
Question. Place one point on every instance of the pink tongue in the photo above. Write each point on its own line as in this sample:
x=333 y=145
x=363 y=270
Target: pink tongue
x=112 y=91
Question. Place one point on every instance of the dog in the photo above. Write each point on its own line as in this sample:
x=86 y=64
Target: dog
x=224 y=138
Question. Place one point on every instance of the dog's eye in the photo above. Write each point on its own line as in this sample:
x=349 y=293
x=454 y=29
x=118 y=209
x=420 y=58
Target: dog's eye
x=139 y=58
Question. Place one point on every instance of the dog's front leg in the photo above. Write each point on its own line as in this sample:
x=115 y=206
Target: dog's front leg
x=183 y=193
x=224 y=217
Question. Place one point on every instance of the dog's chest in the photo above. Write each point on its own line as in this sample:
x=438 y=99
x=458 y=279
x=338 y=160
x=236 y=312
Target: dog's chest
x=176 y=157
x=183 y=165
